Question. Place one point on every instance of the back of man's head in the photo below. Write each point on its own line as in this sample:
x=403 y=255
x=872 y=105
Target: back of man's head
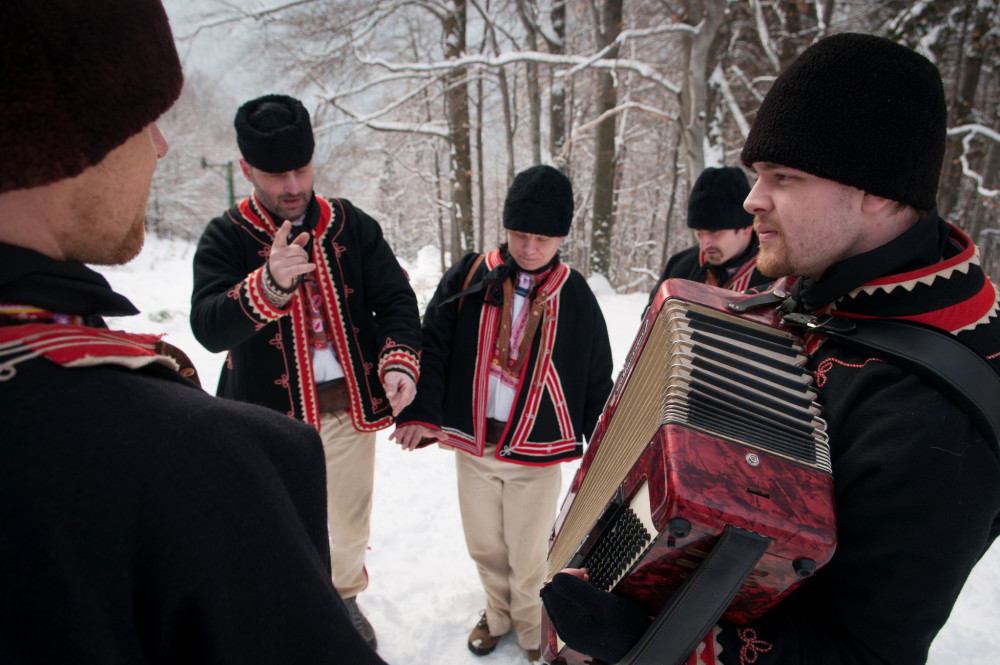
x=859 y=110
x=79 y=77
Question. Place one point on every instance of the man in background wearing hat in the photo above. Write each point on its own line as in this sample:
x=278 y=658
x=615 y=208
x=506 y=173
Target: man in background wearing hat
x=726 y=253
x=516 y=370
x=317 y=315
x=848 y=146
x=143 y=520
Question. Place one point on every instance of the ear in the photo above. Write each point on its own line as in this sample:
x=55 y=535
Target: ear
x=245 y=168
x=872 y=204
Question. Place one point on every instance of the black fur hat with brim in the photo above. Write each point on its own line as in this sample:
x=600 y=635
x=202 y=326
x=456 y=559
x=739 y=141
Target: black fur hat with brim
x=274 y=133
x=860 y=110
x=78 y=78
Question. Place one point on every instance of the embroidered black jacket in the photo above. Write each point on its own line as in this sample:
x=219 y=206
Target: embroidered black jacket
x=371 y=311
x=565 y=380
x=917 y=485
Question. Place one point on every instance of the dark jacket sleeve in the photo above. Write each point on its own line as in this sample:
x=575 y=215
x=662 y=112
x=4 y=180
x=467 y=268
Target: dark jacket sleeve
x=917 y=499
x=389 y=297
x=223 y=312
x=683 y=265
x=599 y=382
x=438 y=329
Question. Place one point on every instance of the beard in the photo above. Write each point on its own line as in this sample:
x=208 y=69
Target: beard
x=772 y=258
x=115 y=230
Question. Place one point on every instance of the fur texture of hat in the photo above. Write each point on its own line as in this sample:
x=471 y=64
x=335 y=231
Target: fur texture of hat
x=79 y=77
x=274 y=133
x=716 y=200
x=539 y=201
x=860 y=110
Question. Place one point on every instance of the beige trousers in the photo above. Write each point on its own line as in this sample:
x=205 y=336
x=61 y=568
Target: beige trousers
x=350 y=474
x=507 y=514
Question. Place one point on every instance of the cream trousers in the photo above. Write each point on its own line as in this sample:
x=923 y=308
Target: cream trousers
x=507 y=514
x=350 y=474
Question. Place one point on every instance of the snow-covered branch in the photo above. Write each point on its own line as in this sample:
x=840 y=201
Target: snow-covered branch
x=621 y=108
x=502 y=60
x=719 y=79
x=970 y=132
x=765 y=35
x=243 y=14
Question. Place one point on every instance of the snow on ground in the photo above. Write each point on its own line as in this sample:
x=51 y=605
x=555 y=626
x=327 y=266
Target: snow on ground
x=424 y=595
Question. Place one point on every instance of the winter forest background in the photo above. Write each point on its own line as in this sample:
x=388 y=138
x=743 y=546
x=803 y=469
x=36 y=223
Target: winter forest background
x=424 y=111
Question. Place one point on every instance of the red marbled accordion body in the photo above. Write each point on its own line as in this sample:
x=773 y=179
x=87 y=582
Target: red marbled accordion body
x=692 y=476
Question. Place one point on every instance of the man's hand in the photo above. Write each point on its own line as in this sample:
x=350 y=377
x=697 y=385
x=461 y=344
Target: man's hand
x=399 y=388
x=409 y=436
x=288 y=261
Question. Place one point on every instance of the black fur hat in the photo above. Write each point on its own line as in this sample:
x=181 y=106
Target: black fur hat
x=274 y=133
x=860 y=110
x=78 y=78
x=716 y=200
x=539 y=201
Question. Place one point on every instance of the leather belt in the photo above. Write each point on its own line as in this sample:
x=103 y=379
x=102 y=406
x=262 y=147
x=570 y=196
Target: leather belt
x=494 y=430
x=332 y=396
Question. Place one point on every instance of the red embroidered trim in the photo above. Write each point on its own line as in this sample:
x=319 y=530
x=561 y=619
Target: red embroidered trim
x=825 y=367
x=76 y=346
x=752 y=646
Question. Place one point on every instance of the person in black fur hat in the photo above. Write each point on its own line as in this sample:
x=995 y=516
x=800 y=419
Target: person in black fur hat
x=317 y=315
x=847 y=147
x=726 y=253
x=144 y=521
x=517 y=369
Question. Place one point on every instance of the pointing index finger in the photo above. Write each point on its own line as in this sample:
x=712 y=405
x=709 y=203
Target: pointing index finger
x=281 y=237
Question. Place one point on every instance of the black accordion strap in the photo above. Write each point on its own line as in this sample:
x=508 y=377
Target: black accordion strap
x=699 y=602
x=936 y=356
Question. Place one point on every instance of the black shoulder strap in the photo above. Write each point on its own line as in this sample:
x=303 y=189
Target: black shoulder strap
x=938 y=357
x=466 y=290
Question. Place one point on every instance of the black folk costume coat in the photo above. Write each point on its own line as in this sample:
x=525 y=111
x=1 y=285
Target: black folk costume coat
x=742 y=273
x=564 y=382
x=370 y=311
x=144 y=521
x=917 y=486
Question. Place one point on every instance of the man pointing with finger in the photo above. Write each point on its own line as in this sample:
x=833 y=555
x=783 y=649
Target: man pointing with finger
x=317 y=315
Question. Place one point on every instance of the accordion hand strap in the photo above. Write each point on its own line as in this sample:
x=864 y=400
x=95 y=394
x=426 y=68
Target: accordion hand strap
x=703 y=597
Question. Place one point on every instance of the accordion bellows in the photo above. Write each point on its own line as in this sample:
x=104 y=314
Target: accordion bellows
x=712 y=422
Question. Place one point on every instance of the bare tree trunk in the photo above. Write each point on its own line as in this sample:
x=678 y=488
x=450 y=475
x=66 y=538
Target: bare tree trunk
x=607 y=26
x=437 y=210
x=557 y=87
x=961 y=108
x=527 y=12
x=480 y=185
x=457 y=103
x=509 y=124
x=673 y=198
x=699 y=61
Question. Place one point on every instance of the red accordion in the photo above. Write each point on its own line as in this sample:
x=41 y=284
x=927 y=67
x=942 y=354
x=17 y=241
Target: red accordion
x=712 y=423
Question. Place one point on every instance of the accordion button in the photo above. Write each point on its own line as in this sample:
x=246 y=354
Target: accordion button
x=804 y=567
x=679 y=527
